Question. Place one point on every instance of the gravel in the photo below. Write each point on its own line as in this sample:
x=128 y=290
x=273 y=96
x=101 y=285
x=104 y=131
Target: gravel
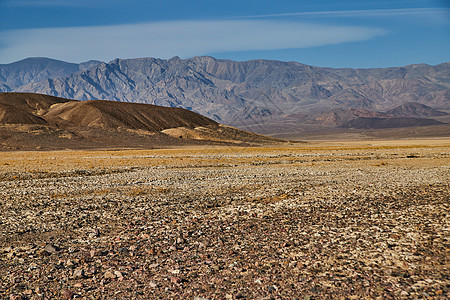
x=299 y=224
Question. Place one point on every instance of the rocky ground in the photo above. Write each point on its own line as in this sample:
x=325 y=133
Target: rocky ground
x=317 y=221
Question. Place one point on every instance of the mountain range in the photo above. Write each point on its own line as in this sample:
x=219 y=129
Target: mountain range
x=257 y=95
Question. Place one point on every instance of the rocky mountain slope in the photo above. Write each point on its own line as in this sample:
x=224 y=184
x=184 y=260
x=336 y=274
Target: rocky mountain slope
x=51 y=122
x=246 y=93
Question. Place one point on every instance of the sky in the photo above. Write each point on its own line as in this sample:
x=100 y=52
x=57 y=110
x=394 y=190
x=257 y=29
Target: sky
x=328 y=33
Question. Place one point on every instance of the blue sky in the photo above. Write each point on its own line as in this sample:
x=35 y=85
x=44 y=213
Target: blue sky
x=346 y=33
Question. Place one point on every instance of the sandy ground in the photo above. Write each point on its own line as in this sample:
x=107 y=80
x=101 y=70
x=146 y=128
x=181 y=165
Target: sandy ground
x=307 y=221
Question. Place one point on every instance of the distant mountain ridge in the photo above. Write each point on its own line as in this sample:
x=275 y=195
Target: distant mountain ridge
x=36 y=69
x=241 y=94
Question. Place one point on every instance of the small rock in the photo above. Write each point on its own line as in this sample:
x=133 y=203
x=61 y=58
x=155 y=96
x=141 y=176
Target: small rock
x=118 y=274
x=51 y=249
x=67 y=294
x=78 y=274
x=124 y=250
x=92 y=270
x=109 y=274
x=271 y=288
x=94 y=234
x=176 y=280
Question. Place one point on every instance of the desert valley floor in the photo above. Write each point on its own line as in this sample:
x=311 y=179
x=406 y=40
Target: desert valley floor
x=306 y=221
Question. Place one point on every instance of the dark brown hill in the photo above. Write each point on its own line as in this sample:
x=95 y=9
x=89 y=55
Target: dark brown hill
x=414 y=109
x=112 y=114
x=47 y=122
x=339 y=116
x=30 y=102
x=407 y=115
x=381 y=123
x=12 y=115
x=95 y=113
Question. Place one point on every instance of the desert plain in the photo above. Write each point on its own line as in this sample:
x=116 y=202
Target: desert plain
x=316 y=220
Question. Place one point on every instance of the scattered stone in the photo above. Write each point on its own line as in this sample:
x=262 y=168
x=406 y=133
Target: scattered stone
x=118 y=274
x=67 y=294
x=176 y=280
x=50 y=249
x=78 y=274
x=109 y=275
x=124 y=250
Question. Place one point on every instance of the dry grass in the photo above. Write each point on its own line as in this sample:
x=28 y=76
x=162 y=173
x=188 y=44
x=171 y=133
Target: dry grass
x=372 y=153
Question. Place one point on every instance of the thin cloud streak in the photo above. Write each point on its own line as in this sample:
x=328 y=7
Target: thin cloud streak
x=363 y=13
x=173 y=38
x=44 y=3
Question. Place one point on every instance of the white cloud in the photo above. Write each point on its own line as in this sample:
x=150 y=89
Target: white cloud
x=423 y=12
x=170 y=38
x=41 y=3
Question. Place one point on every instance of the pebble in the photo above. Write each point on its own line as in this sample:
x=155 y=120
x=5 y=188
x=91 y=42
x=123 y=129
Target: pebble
x=118 y=274
x=67 y=294
x=78 y=273
x=50 y=249
x=176 y=280
x=109 y=275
